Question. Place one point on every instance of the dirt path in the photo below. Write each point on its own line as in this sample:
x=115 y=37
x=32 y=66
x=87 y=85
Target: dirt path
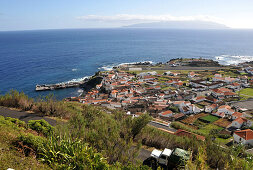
x=24 y=116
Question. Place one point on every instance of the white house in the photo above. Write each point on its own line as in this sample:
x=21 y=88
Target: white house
x=226 y=109
x=236 y=115
x=166 y=114
x=199 y=99
x=210 y=108
x=239 y=122
x=244 y=136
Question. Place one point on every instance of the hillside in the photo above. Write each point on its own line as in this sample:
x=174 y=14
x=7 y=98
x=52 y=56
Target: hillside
x=89 y=137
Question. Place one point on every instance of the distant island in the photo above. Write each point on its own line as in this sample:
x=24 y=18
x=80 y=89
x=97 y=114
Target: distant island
x=180 y=25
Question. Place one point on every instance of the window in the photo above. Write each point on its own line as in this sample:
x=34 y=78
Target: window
x=163 y=157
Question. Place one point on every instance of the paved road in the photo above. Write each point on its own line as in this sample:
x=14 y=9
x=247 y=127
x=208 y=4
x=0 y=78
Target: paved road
x=158 y=125
x=144 y=154
x=24 y=116
x=244 y=104
x=187 y=68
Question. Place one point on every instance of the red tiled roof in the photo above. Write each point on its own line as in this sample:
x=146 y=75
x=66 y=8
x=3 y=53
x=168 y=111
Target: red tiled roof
x=240 y=120
x=225 y=107
x=166 y=112
x=237 y=114
x=246 y=134
x=229 y=94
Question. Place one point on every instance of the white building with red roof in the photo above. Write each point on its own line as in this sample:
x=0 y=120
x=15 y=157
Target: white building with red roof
x=244 y=136
x=239 y=122
x=166 y=114
x=210 y=108
x=236 y=115
x=226 y=109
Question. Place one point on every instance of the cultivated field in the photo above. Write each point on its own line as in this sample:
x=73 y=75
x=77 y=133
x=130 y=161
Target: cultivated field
x=191 y=119
x=222 y=123
x=209 y=118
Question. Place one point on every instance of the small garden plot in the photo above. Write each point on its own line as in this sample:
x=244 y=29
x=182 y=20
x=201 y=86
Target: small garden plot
x=199 y=123
x=208 y=119
x=222 y=123
x=207 y=129
x=193 y=118
x=204 y=103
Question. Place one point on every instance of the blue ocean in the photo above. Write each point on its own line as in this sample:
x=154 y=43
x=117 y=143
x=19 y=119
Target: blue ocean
x=28 y=58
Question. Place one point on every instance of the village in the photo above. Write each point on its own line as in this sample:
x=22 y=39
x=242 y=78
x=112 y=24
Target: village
x=196 y=101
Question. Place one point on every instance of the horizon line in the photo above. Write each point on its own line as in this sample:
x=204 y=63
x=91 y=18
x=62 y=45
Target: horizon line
x=125 y=27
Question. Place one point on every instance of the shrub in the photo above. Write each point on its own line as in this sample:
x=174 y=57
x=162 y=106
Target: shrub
x=34 y=143
x=12 y=122
x=41 y=126
x=16 y=100
x=65 y=153
x=18 y=122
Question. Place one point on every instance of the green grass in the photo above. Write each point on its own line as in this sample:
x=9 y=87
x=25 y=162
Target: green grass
x=247 y=91
x=223 y=141
x=209 y=118
x=207 y=129
x=10 y=157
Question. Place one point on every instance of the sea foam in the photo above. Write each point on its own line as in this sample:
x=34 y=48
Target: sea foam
x=233 y=60
x=110 y=66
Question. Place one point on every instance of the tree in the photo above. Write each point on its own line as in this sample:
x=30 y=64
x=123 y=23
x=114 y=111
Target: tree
x=139 y=123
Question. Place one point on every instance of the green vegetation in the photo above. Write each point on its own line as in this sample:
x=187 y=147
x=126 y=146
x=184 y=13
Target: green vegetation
x=41 y=126
x=209 y=118
x=95 y=138
x=247 y=92
x=10 y=156
x=207 y=129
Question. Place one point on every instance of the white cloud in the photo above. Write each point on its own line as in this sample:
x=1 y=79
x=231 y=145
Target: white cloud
x=146 y=18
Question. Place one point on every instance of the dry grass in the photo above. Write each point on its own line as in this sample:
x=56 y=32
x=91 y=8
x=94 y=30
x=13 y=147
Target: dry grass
x=222 y=123
x=193 y=118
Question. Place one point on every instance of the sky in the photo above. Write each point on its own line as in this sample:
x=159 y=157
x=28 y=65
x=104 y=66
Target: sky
x=61 y=14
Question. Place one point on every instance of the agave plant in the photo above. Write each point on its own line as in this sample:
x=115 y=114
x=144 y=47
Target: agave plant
x=66 y=153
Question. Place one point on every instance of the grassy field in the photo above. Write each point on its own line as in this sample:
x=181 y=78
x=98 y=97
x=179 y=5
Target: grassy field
x=247 y=91
x=223 y=141
x=207 y=129
x=209 y=118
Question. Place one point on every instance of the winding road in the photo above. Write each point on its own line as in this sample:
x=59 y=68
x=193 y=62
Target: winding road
x=25 y=116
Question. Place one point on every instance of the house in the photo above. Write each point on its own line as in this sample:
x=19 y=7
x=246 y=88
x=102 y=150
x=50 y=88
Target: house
x=219 y=114
x=217 y=75
x=229 y=80
x=226 y=109
x=192 y=74
x=166 y=114
x=178 y=84
x=244 y=136
x=236 y=115
x=211 y=99
x=230 y=94
x=239 y=122
x=217 y=93
x=210 y=108
x=222 y=92
x=199 y=99
x=235 y=86
x=196 y=109
x=114 y=93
